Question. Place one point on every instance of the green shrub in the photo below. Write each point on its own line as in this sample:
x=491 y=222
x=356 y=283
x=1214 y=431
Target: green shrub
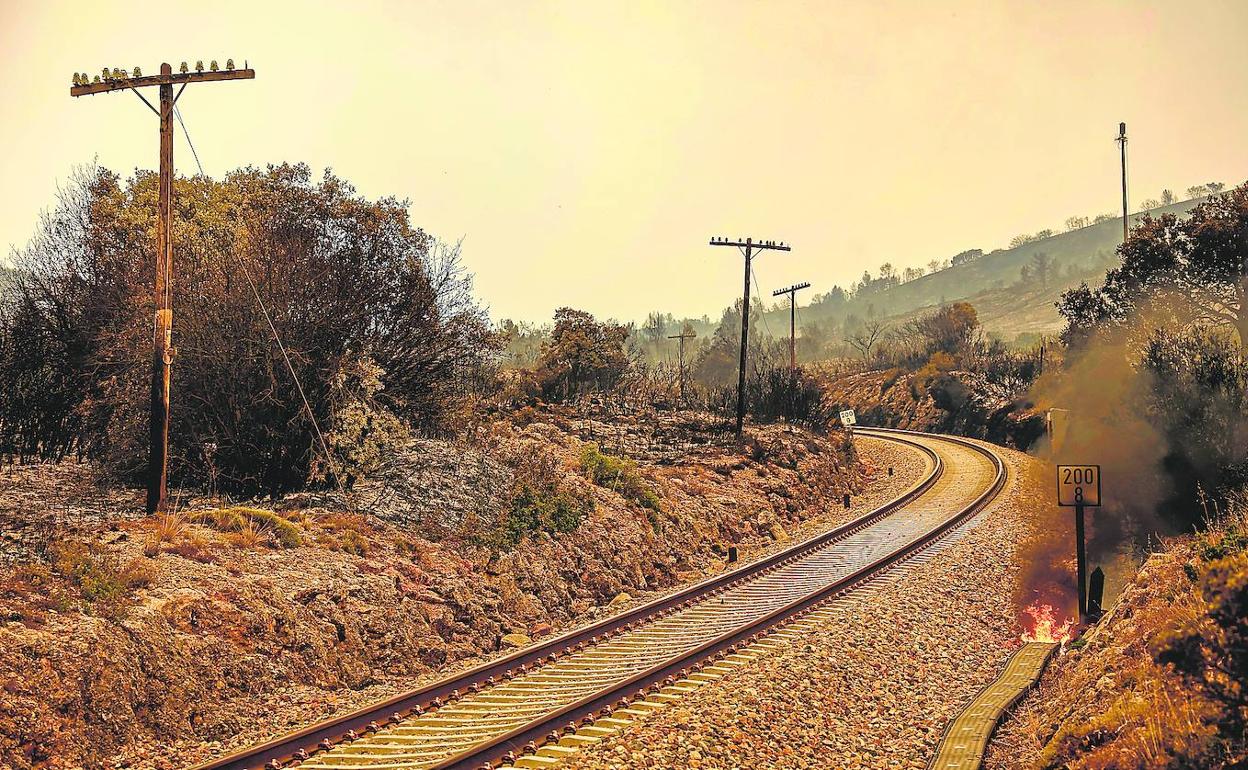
x=618 y=474
x=537 y=508
x=103 y=584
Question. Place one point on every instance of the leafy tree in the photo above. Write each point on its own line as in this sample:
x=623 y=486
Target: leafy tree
x=1191 y=271
x=351 y=286
x=582 y=355
x=1197 y=191
x=1215 y=187
x=719 y=357
x=1020 y=240
x=1199 y=399
x=1167 y=197
x=949 y=329
x=963 y=257
x=1041 y=266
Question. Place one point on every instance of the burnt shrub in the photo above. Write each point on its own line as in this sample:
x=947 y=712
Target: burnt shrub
x=774 y=392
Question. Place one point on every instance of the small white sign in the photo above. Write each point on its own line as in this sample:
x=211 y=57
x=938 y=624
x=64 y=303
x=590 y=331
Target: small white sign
x=848 y=418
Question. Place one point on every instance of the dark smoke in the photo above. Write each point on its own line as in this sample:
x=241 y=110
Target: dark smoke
x=1107 y=424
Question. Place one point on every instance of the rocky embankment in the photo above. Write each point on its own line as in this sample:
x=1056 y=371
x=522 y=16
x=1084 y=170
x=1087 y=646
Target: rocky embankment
x=155 y=643
x=961 y=403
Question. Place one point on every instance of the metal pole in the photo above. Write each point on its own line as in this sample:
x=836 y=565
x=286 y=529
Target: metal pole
x=1122 y=141
x=162 y=332
x=745 y=332
x=1081 y=559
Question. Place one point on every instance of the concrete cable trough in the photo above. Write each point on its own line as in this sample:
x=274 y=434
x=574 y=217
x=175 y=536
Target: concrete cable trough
x=966 y=738
x=533 y=707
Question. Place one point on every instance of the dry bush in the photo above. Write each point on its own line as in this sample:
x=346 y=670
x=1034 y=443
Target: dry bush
x=169 y=528
x=195 y=547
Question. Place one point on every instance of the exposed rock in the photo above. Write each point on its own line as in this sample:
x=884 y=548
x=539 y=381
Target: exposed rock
x=962 y=403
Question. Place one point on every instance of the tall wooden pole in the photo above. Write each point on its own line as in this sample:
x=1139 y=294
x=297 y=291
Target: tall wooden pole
x=792 y=292
x=684 y=335
x=747 y=247
x=162 y=323
x=162 y=332
x=792 y=332
x=745 y=335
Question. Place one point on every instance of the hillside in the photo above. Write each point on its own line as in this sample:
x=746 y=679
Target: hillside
x=991 y=282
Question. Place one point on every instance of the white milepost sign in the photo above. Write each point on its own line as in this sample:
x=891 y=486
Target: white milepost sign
x=847 y=417
x=1079 y=485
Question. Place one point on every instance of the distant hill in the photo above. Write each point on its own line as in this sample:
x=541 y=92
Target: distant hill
x=992 y=282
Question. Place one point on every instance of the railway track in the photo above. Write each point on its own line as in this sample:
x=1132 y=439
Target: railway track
x=532 y=707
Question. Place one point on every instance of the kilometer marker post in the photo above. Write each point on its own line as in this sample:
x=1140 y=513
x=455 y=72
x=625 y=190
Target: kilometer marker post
x=1079 y=486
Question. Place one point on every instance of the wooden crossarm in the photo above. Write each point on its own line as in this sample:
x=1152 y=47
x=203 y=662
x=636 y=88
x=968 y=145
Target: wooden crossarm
x=124 y=83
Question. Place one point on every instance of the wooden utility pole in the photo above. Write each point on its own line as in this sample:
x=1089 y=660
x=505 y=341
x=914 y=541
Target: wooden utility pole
x=1122 y=143
x=792 y=292
x=747 y=248
x=684 y=335
x=162 y=328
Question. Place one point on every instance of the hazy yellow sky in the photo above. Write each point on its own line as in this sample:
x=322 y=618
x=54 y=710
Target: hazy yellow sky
x=586 y=151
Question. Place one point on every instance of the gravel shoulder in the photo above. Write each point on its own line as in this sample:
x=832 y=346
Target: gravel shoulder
x=874 y=685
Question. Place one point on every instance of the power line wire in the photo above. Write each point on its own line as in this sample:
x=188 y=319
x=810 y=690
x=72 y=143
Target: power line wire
x=178 y=114
x=320 y=437
x=762 y=308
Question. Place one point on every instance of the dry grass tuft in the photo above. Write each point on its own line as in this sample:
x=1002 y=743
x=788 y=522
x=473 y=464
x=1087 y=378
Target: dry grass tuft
x=253 y=527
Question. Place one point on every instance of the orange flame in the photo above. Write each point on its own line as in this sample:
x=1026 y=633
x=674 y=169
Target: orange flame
x=1045 y=626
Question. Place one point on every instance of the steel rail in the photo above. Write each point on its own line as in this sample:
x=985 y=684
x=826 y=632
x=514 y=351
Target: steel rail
x=301 y=743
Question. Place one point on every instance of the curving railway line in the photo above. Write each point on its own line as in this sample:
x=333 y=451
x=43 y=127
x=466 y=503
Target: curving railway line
x=533 y=707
